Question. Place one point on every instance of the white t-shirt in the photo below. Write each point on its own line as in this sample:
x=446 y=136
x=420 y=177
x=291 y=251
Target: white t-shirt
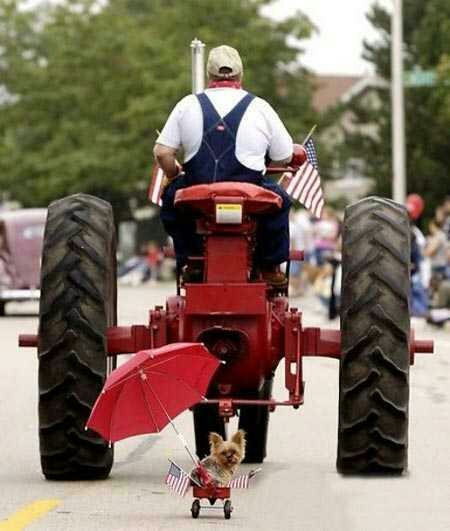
x=260 y=130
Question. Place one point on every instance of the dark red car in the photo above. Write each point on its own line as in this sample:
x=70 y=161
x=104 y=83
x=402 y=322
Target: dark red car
x=21 y=237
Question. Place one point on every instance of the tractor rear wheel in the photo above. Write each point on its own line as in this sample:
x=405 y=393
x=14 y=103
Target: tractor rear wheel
x=77 y=304
x=206 y=420
x=254 y=420
x=375 y=325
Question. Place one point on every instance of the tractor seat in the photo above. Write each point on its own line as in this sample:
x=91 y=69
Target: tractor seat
x=205 y=197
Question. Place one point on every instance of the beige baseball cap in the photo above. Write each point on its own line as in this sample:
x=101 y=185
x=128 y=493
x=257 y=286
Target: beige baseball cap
x=224 y=56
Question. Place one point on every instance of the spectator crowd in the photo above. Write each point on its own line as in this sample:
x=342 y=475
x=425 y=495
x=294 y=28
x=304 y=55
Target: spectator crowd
x=430 y=259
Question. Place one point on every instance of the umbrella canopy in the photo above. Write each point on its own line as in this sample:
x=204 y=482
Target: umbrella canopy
x=144 y=394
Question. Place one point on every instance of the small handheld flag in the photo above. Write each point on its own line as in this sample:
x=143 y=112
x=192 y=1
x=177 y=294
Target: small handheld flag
x=242 y=481
x=305 y=185
x=156 y=185
x=239 y=482
x=177 y=479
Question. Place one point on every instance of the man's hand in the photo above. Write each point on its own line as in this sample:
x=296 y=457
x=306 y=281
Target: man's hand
x=166 y=180
x=166 y=158
x=299 y=156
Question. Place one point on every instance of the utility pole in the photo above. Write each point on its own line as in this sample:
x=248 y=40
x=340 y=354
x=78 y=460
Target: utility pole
x=398 y=105
x=198 y=66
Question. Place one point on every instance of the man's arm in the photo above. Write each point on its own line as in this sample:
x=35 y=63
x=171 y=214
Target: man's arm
x=281 y=145
x=166 y=158
x=169 y=140
x=283 y=162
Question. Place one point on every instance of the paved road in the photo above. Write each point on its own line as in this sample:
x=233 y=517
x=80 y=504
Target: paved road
x=299 y=488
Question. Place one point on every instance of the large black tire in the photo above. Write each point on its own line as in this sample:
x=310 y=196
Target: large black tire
x=254 y=420
x=77 y=304
x=375 y=325
x=2 y=308
x=206 y=420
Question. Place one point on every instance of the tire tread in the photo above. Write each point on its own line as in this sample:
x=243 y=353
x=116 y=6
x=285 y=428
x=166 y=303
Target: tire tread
x=374 y=368
x=77 y=304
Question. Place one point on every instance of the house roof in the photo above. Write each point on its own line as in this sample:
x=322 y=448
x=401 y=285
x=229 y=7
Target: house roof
x=329 y=89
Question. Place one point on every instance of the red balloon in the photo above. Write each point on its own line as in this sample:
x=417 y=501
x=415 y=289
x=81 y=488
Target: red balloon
x=414 y=205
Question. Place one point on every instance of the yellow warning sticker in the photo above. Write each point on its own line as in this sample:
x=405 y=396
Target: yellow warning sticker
x=228 y=213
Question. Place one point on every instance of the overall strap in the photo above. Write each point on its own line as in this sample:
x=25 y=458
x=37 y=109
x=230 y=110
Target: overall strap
x=216 y=155
x=210 y=116
x=234 y=117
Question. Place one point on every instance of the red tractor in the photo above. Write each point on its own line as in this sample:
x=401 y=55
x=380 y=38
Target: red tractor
x=242 y=320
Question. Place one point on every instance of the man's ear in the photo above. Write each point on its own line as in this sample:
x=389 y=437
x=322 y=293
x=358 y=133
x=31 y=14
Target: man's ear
x=239 y=438
x=214 y=439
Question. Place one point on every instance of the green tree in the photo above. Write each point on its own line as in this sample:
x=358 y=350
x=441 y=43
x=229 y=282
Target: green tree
x=88 y=87
x=426 y=45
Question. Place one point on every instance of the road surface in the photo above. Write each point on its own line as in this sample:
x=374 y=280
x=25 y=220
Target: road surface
x=298 y=489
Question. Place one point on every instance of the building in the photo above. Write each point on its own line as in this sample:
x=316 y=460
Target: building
x=332 y=95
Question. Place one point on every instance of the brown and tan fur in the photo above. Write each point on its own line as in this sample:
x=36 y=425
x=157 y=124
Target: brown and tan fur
x=225 y=457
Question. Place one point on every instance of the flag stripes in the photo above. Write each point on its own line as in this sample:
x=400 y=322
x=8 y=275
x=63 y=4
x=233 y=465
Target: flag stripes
x=305 y=185
x=239 y=482
x=155 y=191
x=177 y=479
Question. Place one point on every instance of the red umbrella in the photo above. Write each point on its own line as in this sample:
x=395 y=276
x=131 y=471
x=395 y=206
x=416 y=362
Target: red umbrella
x=144 y=394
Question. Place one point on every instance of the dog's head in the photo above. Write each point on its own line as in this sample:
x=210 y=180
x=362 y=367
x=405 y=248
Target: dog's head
x=230 y=453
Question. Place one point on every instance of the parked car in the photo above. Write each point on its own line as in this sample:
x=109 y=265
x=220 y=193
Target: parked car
x=21 y=237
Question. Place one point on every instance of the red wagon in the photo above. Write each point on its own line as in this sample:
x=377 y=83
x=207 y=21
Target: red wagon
x=212 y=494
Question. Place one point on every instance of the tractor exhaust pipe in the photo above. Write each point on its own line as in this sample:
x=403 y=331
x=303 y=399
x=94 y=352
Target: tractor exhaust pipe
x=198 y=66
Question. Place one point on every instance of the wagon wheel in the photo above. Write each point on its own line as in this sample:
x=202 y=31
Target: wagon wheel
x=227 y=509
x=195 y=509
x=206 y=420
x=254 y=420
x=375 y=324
x=77 y=304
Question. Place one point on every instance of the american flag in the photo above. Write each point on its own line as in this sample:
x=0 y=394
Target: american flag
x=155 y=190
x=177 y=479
x=305 y=185
x=311 y=153
x=239 y=482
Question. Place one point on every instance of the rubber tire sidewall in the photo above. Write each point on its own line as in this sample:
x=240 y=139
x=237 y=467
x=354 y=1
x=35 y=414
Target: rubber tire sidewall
x=78 y=303
x=375 y=326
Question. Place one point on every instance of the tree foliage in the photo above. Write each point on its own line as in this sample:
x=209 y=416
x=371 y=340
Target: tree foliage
x=427 y=109
x=88 y=86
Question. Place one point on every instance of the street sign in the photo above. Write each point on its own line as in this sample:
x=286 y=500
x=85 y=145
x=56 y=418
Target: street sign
x=419 y=78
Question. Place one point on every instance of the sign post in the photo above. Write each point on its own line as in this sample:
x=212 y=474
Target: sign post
x=398 y=106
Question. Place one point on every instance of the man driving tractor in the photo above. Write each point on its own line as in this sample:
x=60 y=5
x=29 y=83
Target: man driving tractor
x=226 y=134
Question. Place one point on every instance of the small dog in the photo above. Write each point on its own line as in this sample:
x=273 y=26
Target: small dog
x=224 y=459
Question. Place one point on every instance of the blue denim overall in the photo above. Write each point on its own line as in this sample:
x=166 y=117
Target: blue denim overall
x=216 y=161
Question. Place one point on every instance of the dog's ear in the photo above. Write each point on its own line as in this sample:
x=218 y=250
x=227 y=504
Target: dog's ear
x=239 y=439
x=214 y=439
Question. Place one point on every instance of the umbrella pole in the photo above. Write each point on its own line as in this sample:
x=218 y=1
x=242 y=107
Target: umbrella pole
x=183 y=441
x=179 y=435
